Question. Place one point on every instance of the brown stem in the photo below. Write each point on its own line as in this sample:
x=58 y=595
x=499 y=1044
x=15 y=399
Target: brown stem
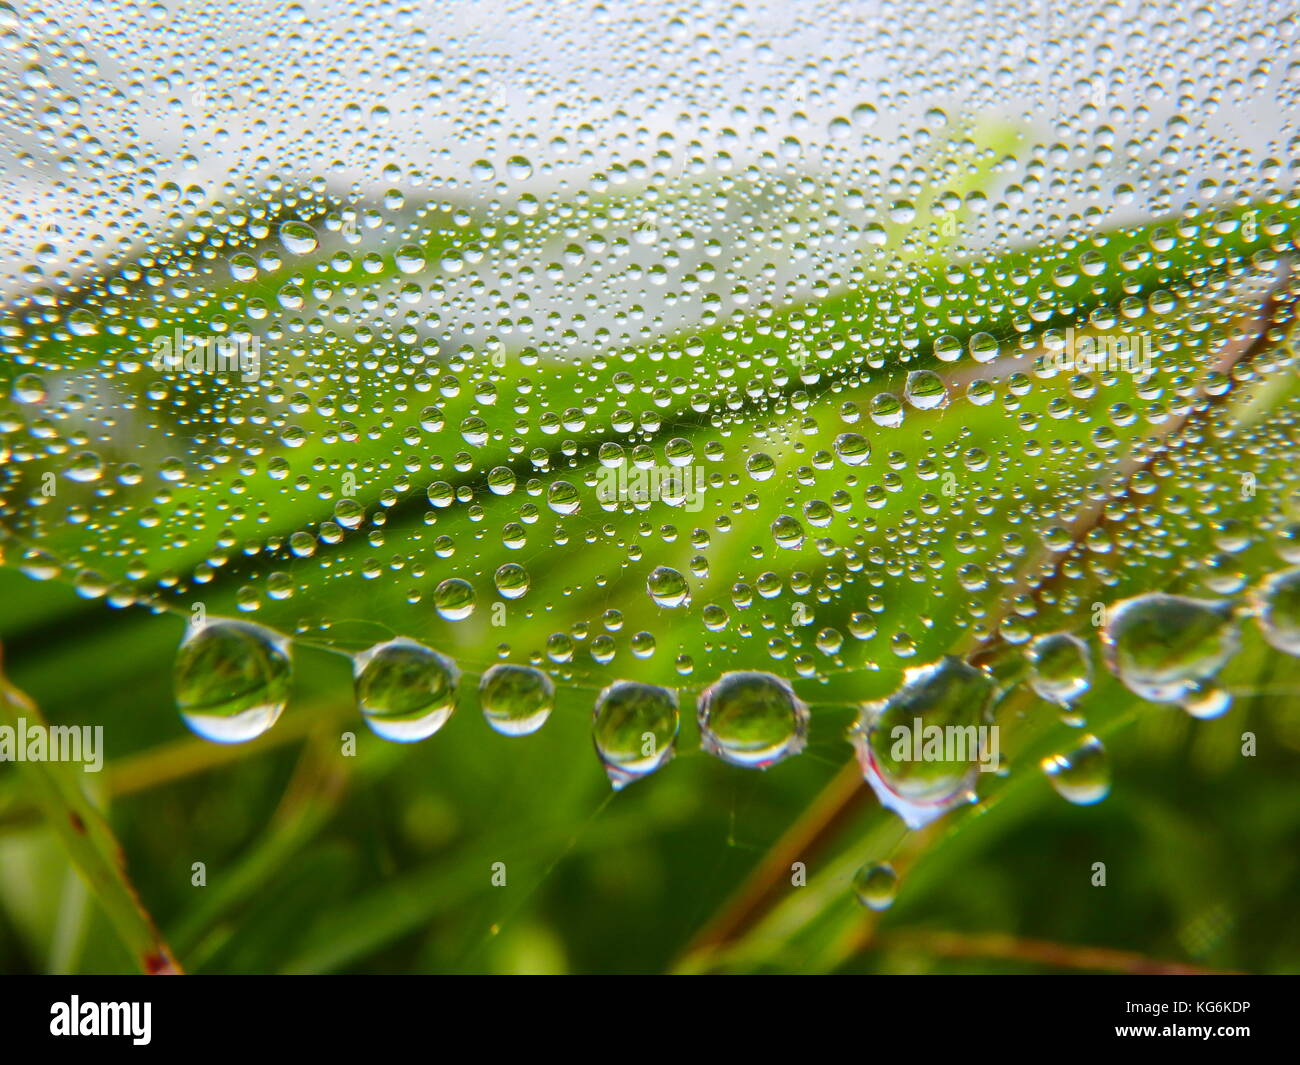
x=1036 y=952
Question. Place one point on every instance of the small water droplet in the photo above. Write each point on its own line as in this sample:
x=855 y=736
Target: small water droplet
x=1060 y=667
x=876 y=885
x=1082 y=774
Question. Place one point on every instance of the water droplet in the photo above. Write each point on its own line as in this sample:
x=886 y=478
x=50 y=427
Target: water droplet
x=984 y=347
x=511 y=580
x=406 y=691
x=876 y=885
x=29 y=388
x=1081 y=775
x=454 y=599
x=925 y=390
x=667 y=587
x=852 y=449
x=298 y=237
x=751 y=719
x=1276 y=603
x=634 y=729
x=83 y=323
x=787 y=532
x=1060 y=667
x=1163 y=646
x=922 y=748
x=760 y=466
x=231 y=679
x=887 y=410
x=516 y=700
x=519 y=168
x=410 y=258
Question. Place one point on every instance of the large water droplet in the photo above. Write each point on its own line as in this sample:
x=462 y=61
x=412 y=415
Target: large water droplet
x=667 y=587
x=231 y=679
x=1276 y=603
x=1163 y=647
x=751 y=719
x=516 y=700
x=925 y=390
x=405 y=690
x=634 y=729
x=298 y=237
x=922 y=748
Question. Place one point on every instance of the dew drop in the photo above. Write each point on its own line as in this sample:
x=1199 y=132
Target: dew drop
x=516 y=700
x=887 y=410
x=853 y=449
x=1164 y=646
x=298 y=237
x=760 y=466
x=925 y=390
x=984 y=347
x=511 y=580
x=634 y=730
x=231 y=679
x=1276 y=603
x=751 y=719
x=919 y=749
x=405 y=691
x=1082 y=774
x=1060 y=667
x=787 y=532
x=453 y=599
x=667 y=587
x=876 y=885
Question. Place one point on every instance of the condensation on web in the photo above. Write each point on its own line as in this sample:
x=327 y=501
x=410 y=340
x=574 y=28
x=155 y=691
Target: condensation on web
x=655 y=341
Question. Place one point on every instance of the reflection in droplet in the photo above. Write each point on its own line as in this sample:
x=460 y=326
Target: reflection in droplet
x=231 y=679
x=876 y=885
x=1082 y=774
x=405 y=691
x=751 y=719
x=634 y=729
x=1163 y=647
x=923 y=747
x=516 y=700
